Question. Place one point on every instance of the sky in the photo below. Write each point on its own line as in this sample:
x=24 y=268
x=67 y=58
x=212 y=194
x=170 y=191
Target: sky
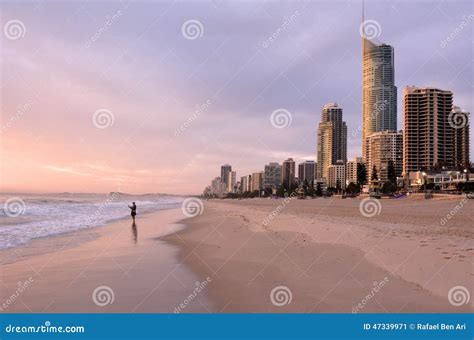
x=154 y=96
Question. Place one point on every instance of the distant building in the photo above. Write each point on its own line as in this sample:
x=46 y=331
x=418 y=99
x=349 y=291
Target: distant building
x=257 y=181
x=307 y=171
x=337 y=175
x=428 y=135
x=351 y=170
x=272 y=176
x=288 y=172
x=383 y=147
x=460 y=120
x=379 y=93
x=225 y=169
x=245 y=183
x=331 y=139
x=231 y=181
x=217 y=187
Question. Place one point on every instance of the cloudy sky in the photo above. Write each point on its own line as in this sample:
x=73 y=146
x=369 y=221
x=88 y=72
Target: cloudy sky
x=153 y=96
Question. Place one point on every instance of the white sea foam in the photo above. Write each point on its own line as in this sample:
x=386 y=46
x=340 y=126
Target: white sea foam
x=46 y=215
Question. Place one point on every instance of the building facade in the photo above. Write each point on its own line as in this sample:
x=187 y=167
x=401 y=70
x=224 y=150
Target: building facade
x=381 y=149
x=351 y=170
x=288 y=172
x=429 y=138
x=272 y=176
x=337 y=176
x=231 y=182
x=307 y=171
x=257 y=181
x=379 y=93
x=460 y=122
x=331 y=139
x=225 y=169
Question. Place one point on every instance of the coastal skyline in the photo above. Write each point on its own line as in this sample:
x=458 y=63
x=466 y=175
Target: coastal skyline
x=147 y=76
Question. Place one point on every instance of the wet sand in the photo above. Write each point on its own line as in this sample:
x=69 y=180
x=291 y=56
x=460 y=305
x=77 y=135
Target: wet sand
x=329 y=257
x=132 y=269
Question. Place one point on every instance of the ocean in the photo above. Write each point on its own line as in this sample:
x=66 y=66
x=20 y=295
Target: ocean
x=25 y=217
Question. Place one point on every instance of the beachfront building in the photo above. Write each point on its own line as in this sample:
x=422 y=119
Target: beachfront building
x=231 y=182
x=351 y=170
x=225 y=169
x=288 y=172
x=460 y=120
x=272 y=176
x=428 y=136
x=331 y=139
x=379 y=93
x=245 y=183
x=257 y=181
x=217 y=187
x=383 y=148
x=445 y=180
x=306 y=171
x=337 y=176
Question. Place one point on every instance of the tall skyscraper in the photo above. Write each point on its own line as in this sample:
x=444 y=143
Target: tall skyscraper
x=306 y=171
x=231 y=181
x=460 y=122
x=272 y=176
x=225 y=169
x=332 y=139
x=383 y=148
x=379 y=93
x=429 y=138
x=257 y=181
x=288 y=172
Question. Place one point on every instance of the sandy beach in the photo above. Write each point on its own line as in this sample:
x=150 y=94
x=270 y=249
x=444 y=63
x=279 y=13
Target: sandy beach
x=116 y=268
x=331 y=258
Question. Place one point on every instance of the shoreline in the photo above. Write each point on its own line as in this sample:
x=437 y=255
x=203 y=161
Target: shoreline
x=328 y=256
x=115 y=268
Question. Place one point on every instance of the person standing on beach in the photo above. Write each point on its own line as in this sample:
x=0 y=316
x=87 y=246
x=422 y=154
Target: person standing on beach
x=133 y=209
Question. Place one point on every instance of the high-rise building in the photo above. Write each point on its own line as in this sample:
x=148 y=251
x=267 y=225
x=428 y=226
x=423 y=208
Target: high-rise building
x=351 y=170
x=245 y=183
x=288 y=172
x=306 y=171
x=337 y=175
x=257 y=181
x=383 y=148
x=460 y=122
x=217 y=187
x=379 y=93
x=272 y=176
x=429 y=140
x=231 y=181
x=332 y=139
x=225 y=169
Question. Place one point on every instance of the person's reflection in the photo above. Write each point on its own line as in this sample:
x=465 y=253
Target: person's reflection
x=134 y=232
